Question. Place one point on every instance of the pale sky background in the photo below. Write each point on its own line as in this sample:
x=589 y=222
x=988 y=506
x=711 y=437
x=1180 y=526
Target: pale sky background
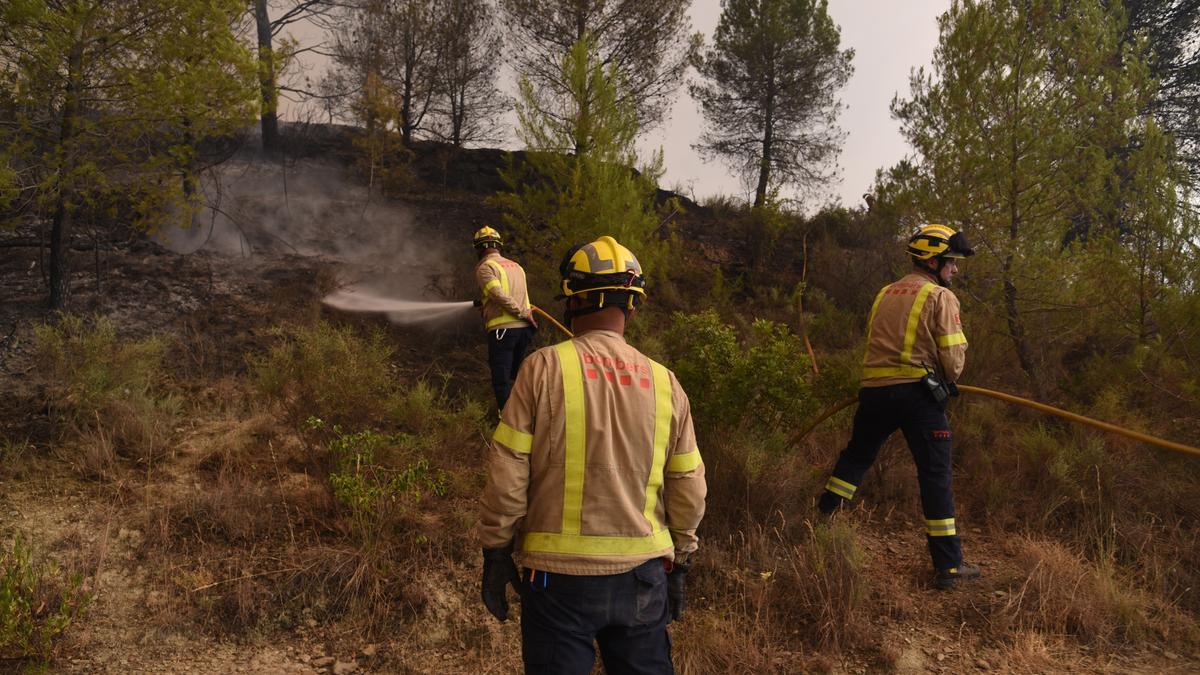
x=889 y=38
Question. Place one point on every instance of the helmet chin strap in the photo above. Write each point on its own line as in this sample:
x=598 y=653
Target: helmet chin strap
x=941 y=264
x=937 y=271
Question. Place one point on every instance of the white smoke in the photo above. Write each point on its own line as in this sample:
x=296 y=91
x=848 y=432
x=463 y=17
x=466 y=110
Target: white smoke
x=386 y=260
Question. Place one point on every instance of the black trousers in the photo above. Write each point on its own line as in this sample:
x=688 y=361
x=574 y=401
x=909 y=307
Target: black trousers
x=506 y=351
x=564 y=617
x=910 y=408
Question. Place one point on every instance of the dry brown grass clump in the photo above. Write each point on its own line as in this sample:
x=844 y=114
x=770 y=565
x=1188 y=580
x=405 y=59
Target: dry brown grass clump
x=778 y=597
x=106 y=394
x=1066 y=594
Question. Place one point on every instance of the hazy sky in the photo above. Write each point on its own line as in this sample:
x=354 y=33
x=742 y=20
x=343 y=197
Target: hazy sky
x=889 y=38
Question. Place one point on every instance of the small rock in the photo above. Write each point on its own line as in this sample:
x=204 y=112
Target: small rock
x=983 y=664
x=323 y=661
x=370 y=651
x=305 y=658
x=941 y=657
x=344 y=667
x=1170 y=654
x=999 y=594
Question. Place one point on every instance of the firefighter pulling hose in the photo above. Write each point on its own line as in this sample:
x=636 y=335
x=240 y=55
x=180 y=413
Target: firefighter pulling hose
x=916 y=350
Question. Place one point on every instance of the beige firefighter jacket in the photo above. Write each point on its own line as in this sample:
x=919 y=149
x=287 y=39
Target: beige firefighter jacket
x=505 y=296
x=594 y=467
x=914 y=323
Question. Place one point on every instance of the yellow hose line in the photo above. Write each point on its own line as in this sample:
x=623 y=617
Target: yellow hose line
x=1122 y=431
x=551 y=319
x=829 y=412
x=1128 y=433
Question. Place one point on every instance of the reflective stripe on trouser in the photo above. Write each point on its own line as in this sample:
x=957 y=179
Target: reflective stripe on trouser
x=564 y=616
x=570 y=538
x=882 y=410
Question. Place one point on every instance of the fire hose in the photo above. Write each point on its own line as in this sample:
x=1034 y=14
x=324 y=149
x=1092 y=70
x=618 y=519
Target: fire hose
x=551 y=319
x=1042 y=407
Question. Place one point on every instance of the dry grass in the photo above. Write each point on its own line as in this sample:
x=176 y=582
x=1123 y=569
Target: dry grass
x=793 y=602
x=106 y=392
x=1065 y=594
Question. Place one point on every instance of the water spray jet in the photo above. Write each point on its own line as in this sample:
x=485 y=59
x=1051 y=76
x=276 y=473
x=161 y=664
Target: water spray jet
x=398 y=310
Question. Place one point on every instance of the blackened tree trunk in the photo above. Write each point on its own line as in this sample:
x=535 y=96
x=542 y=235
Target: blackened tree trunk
x=768 y=148
x=60 y=271
x=266 y=79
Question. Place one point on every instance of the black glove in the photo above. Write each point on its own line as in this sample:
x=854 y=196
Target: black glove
x=952 y=388
x=477 y=303
x=499 y=571
x=675 y=578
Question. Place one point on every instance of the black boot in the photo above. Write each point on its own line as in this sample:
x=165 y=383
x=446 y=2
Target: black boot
x=947 y=579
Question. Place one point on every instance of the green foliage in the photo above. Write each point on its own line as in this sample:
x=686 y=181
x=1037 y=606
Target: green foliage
x=375 y=494
x=577 y=182
x=87 y=365
x=1074 y=216
x=768 y=92
x=38 y=603
x=762 y=378
x=108 y=102
x=8 y=185
x=96 y=382
x=328 y=371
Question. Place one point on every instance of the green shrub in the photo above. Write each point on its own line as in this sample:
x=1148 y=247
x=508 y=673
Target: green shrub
x=327 y=371
x=379 y=477
x=37 y=604
x=98 y=383
x=763 y=378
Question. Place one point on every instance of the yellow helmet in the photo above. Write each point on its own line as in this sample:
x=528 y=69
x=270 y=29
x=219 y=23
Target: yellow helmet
x=486 y=237
x=938 y=241
x=603 y=265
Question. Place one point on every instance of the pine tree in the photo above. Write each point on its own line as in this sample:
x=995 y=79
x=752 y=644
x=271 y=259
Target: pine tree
x=647 y=43
x=394 y=41
x=1030 y=134
x=109 y=98
x=769 y=93
x=467 y=106
x=577 y=182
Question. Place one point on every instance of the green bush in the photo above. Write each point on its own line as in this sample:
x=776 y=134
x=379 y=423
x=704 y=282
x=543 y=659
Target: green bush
x=763 y=377
x=327 y=371
x=37 y=604
x=378 y=493
x=96 y=382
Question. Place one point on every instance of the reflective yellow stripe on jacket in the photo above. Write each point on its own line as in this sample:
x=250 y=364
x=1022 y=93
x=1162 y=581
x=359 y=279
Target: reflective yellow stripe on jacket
x=569 y=539
x=504 y=317
x=907 y=368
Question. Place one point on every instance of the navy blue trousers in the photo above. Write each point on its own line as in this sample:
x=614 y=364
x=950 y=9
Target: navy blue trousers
x=506 y=351
x=564 y=616
x=910 y=408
